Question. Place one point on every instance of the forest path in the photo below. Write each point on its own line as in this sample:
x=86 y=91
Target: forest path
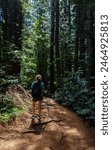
x=61 y=129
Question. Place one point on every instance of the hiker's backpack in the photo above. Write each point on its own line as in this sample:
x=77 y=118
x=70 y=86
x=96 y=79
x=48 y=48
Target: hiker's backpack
x=37 y=89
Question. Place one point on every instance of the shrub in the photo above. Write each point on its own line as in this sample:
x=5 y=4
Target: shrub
x=76 y=94
x=8 y=109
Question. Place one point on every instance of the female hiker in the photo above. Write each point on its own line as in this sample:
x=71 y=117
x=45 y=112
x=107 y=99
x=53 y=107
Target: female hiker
x=37 y=95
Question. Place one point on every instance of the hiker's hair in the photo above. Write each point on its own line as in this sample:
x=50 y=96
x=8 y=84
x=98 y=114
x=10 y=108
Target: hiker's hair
x=38 y=77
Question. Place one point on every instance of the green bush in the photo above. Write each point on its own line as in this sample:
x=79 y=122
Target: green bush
x=76 y=94
x=8 y=109
x=7 y=81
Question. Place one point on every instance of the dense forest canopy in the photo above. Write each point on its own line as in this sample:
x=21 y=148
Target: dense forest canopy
x=54 y=38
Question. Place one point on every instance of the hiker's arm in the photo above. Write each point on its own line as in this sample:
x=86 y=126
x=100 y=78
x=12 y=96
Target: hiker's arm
x=45 y=93
x=43 y=90
x=32 y=87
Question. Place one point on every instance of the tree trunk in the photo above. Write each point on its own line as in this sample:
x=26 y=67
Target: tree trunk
x=91 y=48
x=5 y=26
x=57 y=42
x=52 y=49
x=77 y=25
x=12 y=33
x=18 y=20
x=82 y=38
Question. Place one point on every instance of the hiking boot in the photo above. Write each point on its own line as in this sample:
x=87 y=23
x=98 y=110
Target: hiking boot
x=33 y=116
x=39 y=116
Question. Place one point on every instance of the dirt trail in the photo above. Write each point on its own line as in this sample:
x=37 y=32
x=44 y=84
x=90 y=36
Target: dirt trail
x=60 y=129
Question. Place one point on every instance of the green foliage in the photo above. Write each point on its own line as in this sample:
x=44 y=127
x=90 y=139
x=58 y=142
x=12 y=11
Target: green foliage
x=8 y=109
x=76 y=24
x=28 y=64
x=35 y=43
x=10 y=80
x=9 y=56
x=75 y=94
x=67 y=35
x=6 y=81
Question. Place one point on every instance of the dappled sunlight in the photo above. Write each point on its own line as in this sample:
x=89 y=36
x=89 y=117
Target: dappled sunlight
x=12 y=144
x=71 y=131
x=47 y=87
x=64 y=130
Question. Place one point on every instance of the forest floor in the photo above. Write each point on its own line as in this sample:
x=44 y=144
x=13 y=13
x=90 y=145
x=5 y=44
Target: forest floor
x=59 y=129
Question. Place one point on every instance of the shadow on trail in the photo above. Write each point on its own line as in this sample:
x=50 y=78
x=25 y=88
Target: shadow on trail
x=37 y=127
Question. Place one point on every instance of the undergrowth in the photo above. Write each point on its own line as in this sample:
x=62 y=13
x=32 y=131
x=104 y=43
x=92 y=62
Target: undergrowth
x=8 y=109
x=77 y=95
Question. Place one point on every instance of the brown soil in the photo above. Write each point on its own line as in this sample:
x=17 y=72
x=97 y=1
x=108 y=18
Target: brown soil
x=59 y=129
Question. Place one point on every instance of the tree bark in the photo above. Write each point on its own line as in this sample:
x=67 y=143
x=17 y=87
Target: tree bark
x=57 y=42
x=52 y=49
